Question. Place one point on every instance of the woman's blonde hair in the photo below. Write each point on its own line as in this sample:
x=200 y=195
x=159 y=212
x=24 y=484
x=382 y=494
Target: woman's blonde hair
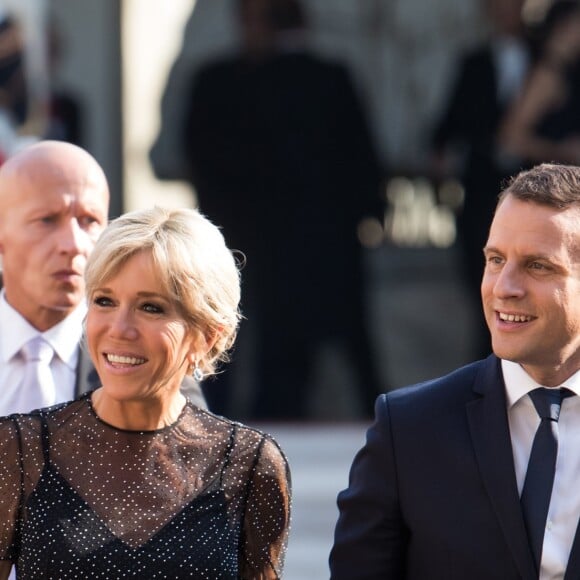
x=195 y=267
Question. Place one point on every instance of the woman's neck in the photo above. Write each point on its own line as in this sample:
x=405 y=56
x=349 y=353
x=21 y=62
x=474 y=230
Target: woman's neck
x=147 y=414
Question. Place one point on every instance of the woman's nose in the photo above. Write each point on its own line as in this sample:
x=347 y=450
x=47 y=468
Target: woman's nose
x=123 y=325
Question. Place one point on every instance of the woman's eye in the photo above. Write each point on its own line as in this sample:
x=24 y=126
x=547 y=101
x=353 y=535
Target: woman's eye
x=152 y=308
x=102 y=301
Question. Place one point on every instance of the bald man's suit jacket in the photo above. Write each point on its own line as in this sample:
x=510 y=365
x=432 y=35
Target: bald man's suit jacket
x=87 y=377
x=433 y=492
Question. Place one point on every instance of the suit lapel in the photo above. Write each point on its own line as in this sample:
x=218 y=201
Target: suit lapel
x=489 y=427
x=574 y=559
x=87 y=378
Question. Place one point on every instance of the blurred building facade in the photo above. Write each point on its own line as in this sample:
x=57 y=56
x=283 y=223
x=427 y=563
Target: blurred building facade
x=89 y=67
x=401 y=52
x=121 y=56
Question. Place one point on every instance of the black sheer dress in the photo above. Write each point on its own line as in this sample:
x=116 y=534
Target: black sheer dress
x=202 y=498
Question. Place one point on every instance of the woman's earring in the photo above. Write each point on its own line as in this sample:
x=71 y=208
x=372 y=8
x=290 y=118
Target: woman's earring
x=197 y=373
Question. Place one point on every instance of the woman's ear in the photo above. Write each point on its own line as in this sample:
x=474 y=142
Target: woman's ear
x=191 y=359
x=203 y=342
x=211 y=338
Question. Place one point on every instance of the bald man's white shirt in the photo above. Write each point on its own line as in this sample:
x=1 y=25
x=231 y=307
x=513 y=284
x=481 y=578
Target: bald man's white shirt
x=64 y=338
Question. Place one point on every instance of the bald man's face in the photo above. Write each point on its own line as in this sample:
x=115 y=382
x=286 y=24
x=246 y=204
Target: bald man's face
x=52 y=210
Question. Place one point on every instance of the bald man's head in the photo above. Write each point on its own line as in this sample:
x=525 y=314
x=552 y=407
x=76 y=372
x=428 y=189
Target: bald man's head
x=54 y=202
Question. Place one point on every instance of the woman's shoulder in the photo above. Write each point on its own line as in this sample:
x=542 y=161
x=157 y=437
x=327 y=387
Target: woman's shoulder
x=18 y=431
x=8 y=425
x=17 y=421
x=33 y=420
x=244 y=438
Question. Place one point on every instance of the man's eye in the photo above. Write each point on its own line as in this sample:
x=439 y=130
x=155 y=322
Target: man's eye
x=493 y=260
x=88 y=221
x=537 y=266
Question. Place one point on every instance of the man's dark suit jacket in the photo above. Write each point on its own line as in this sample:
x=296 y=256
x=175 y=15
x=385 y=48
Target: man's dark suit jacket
x=433 y=493
x=282 y=158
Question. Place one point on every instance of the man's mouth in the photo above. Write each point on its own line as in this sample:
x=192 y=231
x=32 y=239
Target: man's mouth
x=66 y=274
x=514 y=317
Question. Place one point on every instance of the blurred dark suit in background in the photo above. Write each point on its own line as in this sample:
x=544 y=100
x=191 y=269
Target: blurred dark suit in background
x=282 y=158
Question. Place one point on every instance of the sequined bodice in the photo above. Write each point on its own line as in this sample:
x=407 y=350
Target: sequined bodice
x=203 y=498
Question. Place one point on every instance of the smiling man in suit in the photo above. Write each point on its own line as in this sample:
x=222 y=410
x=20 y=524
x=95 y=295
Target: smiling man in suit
x=467 y=476
x=54 y=202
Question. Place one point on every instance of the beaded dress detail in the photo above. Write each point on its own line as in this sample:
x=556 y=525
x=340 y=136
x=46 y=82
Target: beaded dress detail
x=203 y=498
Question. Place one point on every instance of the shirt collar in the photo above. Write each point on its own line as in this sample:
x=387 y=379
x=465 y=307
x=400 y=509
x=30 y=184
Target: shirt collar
x=518 y=383
x=64 y=337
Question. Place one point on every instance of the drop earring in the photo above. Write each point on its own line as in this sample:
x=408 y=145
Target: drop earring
x=197 y=373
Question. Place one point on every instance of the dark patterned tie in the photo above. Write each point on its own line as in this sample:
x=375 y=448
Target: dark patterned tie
x=539 y=480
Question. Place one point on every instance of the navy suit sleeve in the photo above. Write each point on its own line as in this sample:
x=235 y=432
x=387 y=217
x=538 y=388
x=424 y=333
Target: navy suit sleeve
x=370 y=536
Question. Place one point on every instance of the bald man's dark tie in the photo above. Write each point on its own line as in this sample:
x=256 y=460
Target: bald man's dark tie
x=539 y=480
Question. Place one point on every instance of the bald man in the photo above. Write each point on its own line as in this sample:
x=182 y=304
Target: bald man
x=54 y=201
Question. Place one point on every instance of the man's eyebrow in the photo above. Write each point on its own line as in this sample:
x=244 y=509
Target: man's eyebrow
x=527 y=257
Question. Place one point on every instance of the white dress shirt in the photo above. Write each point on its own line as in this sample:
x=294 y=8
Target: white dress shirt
x=15 y=331
x=564 y=510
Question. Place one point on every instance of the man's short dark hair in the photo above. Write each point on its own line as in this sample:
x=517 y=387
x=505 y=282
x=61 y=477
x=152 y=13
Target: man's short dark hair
x=549 y=184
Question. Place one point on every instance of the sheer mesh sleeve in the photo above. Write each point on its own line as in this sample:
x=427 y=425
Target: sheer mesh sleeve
x=10 y=487
x=267 y=515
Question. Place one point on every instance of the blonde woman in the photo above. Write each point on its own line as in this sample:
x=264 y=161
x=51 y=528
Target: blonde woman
x=132 y=480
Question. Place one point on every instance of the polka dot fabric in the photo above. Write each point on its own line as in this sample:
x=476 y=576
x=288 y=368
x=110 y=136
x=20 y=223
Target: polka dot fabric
x=203 y=498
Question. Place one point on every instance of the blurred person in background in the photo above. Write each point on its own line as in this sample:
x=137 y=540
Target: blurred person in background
x=14 y=97
x=64 y=119
x=464 y=141
x=280 y=154
x=544 y=122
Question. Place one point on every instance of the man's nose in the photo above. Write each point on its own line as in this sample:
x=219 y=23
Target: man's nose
x=509 y=282
x=73 y=239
